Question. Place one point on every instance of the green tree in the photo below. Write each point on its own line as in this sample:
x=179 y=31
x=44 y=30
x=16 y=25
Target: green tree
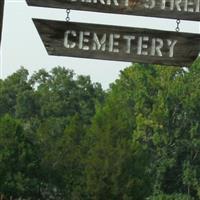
x=67 y=105
x=63 y=137
x=18 y=160
x=40 y=118
x=9 y=90
x=169 y=128
x=115 y=168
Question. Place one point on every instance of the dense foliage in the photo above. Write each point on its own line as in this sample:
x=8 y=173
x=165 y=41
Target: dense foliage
x=63 y=137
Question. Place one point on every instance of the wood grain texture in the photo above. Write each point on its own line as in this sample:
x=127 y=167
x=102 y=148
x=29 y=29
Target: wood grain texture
x=135 y=7
x=1 y=17
x=52 y=34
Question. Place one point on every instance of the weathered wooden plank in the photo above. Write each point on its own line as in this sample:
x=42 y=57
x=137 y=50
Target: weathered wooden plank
x=1 y=17
x=118 y=43
x=174 y=9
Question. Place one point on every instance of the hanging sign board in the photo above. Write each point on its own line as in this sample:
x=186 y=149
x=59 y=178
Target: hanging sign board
x=174 y=9
x=1 y=17
x=118 y=43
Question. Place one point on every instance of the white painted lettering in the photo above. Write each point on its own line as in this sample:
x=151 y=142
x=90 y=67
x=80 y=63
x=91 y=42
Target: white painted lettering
x=83 y=40
x=171 y=44
x=157 y=45
x=67 y=42
x=126 y=3
x=109 y=2
x=149 y=4
x=197 y=6
x=191 y=7
x=177 y=5
x=99 y=44
x=143 y=45
x=133 y=44
x=113 y=43
x=170 y=5
x=128 y=39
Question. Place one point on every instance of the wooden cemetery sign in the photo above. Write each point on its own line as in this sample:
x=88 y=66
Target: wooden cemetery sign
x=118 y=43
x=174 y=9
x=1 y=17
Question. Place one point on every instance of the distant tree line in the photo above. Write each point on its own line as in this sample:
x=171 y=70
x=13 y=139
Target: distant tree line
x=63 y=137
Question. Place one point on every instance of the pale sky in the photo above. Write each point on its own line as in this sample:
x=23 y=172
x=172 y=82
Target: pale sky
x=22 y=46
